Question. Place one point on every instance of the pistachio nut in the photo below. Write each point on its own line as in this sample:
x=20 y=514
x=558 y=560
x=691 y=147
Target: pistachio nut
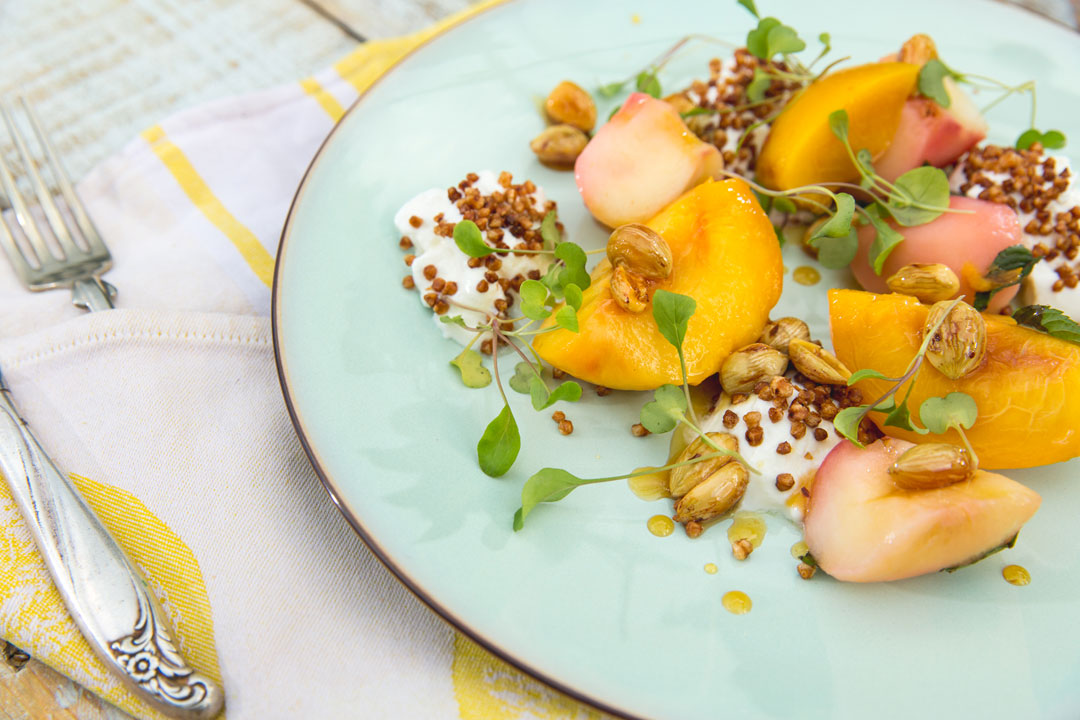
x=959 y=343
x=568 y=103
x=928 y=282
x=917 y=50
x=779 y=333
x=683 y=479
x=932 y=465
x=746 y=367
x=629 y=290
x=817 y=363
x=642 y=250
x=559 y=145
x=717 y=494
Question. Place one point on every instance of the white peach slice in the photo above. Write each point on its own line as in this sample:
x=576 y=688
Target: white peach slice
x=861 y=527
x=967 y=242
x=641 y=161
x=929 y=133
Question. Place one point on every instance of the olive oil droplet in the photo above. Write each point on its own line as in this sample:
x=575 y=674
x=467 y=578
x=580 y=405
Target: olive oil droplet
x=747 y=526
x=799 y=549
x=1016 y=575
x=651 y=486
x=736 y=602
x=806 y=275
x=661 y=525
x=711 y=568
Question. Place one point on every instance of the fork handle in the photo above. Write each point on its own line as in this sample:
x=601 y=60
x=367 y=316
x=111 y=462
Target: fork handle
x=106 y=597
x=92 y=293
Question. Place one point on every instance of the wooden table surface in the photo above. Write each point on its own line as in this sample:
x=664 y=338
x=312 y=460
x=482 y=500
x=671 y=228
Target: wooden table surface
x=101 y=71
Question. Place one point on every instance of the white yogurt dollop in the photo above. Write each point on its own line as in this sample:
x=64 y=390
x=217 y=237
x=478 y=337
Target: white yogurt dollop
x=471 y=303
x=801 y=462
x=1038 y=288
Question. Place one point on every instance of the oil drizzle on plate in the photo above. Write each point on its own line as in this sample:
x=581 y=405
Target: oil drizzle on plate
x=711 y=568
x=1016 y=575
x=650 y=485
x=736 y=602
x=747 y=526
x=806 y=275
x=661 y=525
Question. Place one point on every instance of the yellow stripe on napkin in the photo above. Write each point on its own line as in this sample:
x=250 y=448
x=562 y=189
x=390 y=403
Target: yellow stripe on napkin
x=258 y=259
x=326 y=101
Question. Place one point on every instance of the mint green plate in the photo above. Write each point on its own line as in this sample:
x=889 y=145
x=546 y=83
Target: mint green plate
x=585 y=597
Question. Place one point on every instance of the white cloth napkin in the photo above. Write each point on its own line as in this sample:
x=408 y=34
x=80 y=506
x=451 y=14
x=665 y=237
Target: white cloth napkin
x=168 y=413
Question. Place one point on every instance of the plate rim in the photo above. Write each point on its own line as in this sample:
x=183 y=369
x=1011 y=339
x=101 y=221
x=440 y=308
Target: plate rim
x=328 y=483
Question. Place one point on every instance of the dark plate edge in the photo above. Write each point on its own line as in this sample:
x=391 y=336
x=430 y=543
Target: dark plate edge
x=327 y=481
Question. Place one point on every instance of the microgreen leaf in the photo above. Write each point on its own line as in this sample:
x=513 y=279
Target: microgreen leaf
x=1051 y=139
x=923 y=196
x=453 y=320
x=932 y=82
x=672 y=312
x=1010 y=267
x=839 y=225
x=573 y=296
x=847 y=422
x=566 y=318
x=956 y=409
x=826 y=40
x=749 y=5
x=783 y=40
x=837 y=253
x=838 y=123
x=662 y=414
x=784 y=205
x=611 y=89
x=468 y=239
x=866 y=160
x=867 y=373
x=885 y=240
x=1048 y=320
x=568 y=391
x=648 y=83
x=471 y=366
x=549 y=232
x=523 y=376
x=755 y=91
x=900 y=416
x=573 y=258
x=757 y=40
x=534 y=295
x=548 y=485
x=499 y=445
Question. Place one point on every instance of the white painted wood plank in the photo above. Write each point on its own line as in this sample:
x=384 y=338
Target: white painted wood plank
x=101 y=71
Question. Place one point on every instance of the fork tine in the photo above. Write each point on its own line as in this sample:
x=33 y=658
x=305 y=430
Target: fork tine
x=7 y=242
x=78 y=210
x=44 y=195
x=18 y=205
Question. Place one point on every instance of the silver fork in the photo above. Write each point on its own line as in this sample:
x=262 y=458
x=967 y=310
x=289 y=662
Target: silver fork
x=108 y=600
x=38 y=267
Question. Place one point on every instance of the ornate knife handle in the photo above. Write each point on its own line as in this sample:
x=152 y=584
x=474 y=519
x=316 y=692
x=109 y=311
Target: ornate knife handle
x=106 y=597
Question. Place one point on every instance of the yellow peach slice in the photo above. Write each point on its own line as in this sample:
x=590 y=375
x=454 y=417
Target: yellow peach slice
x=801 y=149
